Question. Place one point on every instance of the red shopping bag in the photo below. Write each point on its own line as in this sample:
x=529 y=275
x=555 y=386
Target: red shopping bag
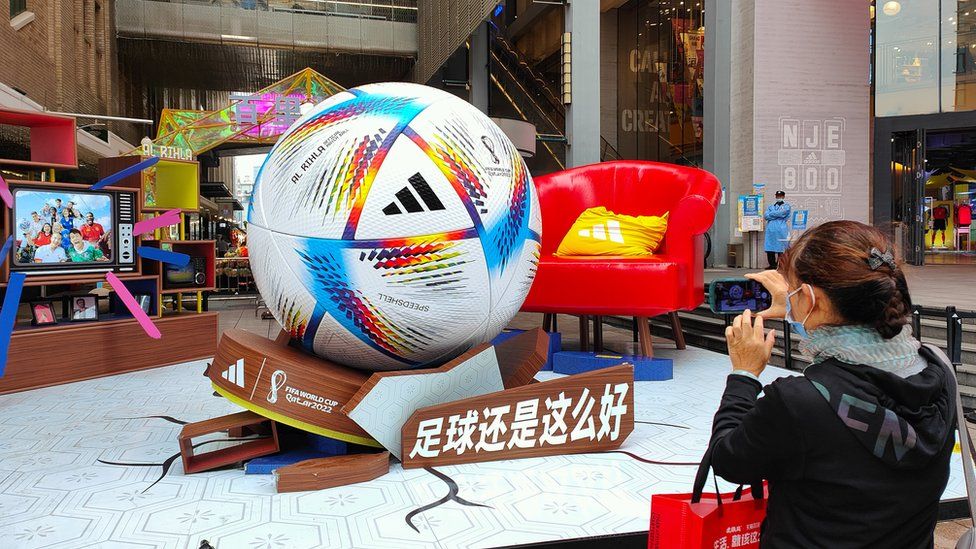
x=706 y=521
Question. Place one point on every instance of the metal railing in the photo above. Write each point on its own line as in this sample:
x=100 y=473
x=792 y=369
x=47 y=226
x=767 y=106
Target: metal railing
x=234 y=276
x=385 y=10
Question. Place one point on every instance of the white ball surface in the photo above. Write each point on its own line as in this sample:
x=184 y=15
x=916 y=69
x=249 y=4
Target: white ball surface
x=393 y=226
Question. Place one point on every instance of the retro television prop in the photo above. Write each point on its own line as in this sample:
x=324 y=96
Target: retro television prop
x=106 y=245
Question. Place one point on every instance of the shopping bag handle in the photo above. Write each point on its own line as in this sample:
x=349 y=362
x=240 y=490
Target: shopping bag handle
x=701 y=477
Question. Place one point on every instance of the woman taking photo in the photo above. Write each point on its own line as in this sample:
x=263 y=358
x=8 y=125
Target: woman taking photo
x=856 y=450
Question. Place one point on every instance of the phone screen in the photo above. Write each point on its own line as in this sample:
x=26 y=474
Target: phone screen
x=735 y=296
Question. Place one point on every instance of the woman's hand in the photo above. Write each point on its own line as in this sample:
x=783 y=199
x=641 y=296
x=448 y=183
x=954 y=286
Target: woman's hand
x=777 y=287
x=749 y=347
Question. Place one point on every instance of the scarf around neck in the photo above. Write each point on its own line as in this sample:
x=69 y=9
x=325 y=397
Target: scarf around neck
x=861 y=344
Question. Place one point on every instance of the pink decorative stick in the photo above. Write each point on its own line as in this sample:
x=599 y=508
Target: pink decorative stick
x=8 y=198
x=171 y=217
x=130 y=303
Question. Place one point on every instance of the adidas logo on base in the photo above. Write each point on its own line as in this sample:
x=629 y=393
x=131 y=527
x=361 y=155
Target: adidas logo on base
x=235 y=374
x=601 y=232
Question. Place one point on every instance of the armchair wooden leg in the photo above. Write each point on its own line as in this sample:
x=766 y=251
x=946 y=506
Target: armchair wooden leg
x=547 y=322
x=584 y=337
x=597 y=334
x=679 y=335
x=644 y=331
x=555 y=322
x=633 y=328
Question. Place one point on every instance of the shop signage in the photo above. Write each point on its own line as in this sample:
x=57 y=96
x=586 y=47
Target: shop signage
x=173 y=153
x=811 y=159
x=251 y=109
x=583 y=413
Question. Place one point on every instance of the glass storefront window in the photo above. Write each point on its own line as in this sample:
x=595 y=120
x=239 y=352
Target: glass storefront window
x=906 y=57
x=660 y=45
x=958 y=55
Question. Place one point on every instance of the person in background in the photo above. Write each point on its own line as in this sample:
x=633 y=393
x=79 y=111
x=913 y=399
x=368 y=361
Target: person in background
x=52 y=252
x=57 y=205
x=44 y=237
x=91 y=231
x=856 y=450
x=65 y=241
x=34 y=227
x=221 y=246
x=777 y=217
x=81 y=251
x=67 y=219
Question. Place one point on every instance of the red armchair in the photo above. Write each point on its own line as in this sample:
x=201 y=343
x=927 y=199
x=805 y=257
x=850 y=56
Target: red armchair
x=668 y=281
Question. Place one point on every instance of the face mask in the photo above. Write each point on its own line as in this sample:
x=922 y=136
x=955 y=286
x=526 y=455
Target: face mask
x=798 y=327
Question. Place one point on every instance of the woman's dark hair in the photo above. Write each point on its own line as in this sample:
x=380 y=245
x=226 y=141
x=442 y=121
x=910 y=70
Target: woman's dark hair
x=837 y=258
x=46 y=228
x=74 y=231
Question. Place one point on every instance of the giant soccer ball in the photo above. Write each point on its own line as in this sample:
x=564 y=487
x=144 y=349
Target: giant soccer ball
x=393 y=226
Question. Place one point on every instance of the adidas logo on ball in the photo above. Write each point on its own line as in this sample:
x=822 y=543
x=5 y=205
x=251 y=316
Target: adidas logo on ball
x=406 y=199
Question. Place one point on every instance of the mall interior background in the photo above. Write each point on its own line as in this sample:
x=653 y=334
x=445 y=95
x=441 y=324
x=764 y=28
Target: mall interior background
x=856 y=110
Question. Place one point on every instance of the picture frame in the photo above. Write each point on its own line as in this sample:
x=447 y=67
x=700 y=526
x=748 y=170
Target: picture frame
x=144 y=301
x=42 y=313
x=81 y=308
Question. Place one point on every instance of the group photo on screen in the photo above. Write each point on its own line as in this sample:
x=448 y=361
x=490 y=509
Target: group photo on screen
x=62 y=227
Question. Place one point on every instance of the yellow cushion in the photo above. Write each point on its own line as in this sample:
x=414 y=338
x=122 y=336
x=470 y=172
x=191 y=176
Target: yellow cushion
x=598 y=231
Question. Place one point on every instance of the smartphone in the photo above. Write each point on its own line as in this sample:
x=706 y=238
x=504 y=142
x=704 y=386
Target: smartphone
x=734 y=295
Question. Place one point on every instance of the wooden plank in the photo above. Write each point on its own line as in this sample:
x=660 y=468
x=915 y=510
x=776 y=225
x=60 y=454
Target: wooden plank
x=590 y=412
x=110 y=347
x=387 y=399
x=195 y=463
x=329 y=472
x=288 y=385
x=521 y=357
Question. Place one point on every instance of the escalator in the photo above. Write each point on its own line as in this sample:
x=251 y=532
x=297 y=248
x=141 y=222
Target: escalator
x=528 y=96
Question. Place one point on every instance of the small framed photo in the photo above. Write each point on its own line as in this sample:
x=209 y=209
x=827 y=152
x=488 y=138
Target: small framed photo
x=42 y=313
x=82 y=308
x=144 y=301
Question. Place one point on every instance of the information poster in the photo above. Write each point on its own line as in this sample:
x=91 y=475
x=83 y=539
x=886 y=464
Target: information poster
x=750 y=213
x=799 y=221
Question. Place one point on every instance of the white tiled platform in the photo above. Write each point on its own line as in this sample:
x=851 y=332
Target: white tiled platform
x=53 y=493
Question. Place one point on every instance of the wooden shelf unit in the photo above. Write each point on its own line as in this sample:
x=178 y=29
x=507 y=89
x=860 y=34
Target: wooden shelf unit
x=167 y=185
x=109 y=347
x=53 y=139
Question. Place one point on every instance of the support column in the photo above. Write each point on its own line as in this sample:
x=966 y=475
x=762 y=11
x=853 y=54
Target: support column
x=798 y=102
x=718 y=55
x=478 y=68
x=583 y=112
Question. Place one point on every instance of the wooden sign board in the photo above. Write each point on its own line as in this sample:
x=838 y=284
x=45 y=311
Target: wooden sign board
x=578 y=414
x=288 y=385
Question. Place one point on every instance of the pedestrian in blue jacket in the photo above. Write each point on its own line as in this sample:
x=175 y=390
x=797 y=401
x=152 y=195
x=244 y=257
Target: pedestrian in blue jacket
x=777 y=229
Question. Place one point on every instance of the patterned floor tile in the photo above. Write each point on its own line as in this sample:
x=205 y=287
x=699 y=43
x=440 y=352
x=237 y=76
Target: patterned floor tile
x=60 y=487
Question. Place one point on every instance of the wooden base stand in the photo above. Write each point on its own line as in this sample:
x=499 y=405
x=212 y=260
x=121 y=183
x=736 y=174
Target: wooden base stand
x=322 y=473
x=195 y=463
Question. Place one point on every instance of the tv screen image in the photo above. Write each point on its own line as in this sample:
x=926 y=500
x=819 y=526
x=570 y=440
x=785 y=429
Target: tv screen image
x=67 y=226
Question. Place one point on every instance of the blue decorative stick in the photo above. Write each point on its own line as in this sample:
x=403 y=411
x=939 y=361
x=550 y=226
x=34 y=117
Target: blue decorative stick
x=122 y=174
x=174 y=258
x=6 y=249
x=8 y=314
